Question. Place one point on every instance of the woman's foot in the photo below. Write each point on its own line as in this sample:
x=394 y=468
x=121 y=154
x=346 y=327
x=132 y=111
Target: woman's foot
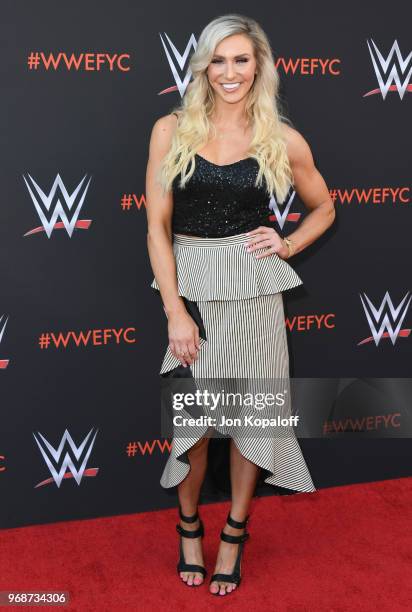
x=193 y=553
x=225 y=562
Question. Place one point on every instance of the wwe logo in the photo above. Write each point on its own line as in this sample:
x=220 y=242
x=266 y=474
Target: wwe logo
x=3 y=362
x=176 y=60
x=374 y=315
x=44 y=205
x=387 y=69
x=281 y=218
x=67 y=467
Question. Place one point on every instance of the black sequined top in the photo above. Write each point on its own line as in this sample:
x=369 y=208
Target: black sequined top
x=220 y=201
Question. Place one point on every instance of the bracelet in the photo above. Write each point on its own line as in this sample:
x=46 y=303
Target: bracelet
x=290 y=246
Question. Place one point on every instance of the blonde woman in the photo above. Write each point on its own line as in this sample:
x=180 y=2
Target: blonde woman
x=220 y=267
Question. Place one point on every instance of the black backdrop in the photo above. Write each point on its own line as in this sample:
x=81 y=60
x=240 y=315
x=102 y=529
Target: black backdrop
x=93 y=122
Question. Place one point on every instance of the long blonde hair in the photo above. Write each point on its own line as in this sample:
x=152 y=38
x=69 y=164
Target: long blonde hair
x=194 y=127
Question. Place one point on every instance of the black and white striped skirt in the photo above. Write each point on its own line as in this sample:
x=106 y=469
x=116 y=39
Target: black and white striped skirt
x=237 y=302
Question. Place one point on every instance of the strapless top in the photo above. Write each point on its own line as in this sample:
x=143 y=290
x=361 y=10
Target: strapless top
x=220 y=200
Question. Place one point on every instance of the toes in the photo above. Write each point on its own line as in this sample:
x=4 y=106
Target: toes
x=198 y=579
x=191 y=579
x=226 y=587
x=222 y=587
x=214 y=587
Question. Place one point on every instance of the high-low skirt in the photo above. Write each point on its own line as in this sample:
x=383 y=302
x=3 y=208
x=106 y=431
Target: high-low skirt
x=237 y=302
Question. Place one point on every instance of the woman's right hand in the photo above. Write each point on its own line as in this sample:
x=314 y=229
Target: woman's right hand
x=183 y=337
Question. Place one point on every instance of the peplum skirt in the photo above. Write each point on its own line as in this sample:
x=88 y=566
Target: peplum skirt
x=237 y=302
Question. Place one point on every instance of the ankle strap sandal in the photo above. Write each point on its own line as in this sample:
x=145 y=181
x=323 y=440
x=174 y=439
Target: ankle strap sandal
x=235 y=576
x=188 y=519
x=182 y=566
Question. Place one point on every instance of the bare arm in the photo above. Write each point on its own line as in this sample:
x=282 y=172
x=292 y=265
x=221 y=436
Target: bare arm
x=312 y=190
x=183 y=332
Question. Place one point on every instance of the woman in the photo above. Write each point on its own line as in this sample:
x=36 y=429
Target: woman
x=220 y=267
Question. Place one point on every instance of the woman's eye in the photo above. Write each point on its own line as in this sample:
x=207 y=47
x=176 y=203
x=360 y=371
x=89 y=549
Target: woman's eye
x=242 y=60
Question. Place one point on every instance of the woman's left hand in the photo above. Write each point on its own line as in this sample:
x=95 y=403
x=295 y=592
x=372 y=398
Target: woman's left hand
x=266 y=237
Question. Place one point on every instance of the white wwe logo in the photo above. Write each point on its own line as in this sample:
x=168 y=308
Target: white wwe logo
x=374 y=315
x=281 y=217
x=387 y=69
x=50 y=453
x=174 y=57
x=43 y=204
x=3 y=362
x=3 y=327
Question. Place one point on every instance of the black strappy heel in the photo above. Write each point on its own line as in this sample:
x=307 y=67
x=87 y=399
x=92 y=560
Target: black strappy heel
x=235 y=576
x=182 y=566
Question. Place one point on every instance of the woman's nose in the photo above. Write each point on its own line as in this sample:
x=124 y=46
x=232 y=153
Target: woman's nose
x=229 y=70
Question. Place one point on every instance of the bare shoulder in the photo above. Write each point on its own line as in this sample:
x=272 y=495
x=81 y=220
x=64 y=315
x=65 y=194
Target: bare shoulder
x=298 y=148
x=166 y=123
x=162 y=133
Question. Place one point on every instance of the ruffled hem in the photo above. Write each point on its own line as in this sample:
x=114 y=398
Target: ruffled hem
x=222 y=269
x=283 y=461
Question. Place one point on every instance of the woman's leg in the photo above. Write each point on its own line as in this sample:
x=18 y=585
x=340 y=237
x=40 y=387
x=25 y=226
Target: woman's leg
x=188 y=493
x=244 y=475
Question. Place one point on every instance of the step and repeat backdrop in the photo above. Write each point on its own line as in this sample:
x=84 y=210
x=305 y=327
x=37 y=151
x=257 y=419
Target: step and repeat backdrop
x=82 y=333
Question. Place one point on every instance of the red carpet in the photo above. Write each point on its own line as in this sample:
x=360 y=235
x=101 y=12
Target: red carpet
x=342 y=548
